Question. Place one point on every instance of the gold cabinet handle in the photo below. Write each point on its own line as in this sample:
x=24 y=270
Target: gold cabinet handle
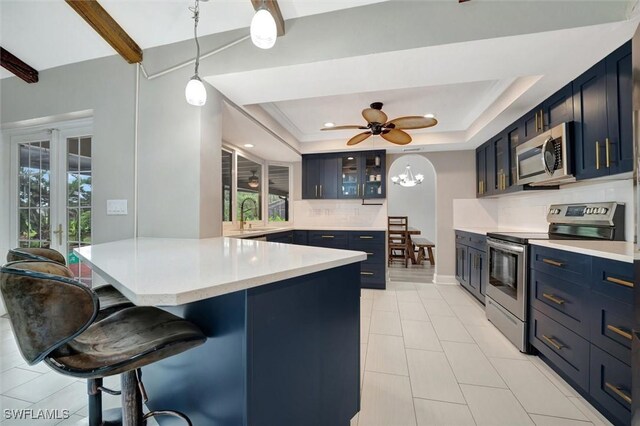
x=537 y=127
x=366 y=237
x=606 y=150
x=553 y=262
x=328 y=236
x=363 y=190
x=316 y=191
x=366 y=273
x=482 y=187
x=552 y=342
x=620 y=331
x=620 y=282
x=553 y=298
x=597 y=155
x=479 y=187
x=320 y=191
x=541 y=120
x=615 y=389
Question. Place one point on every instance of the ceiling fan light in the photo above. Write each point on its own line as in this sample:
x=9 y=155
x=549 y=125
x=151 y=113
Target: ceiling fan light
x=329 y=124
x=429 y=115
x=253 y=180
x=195 y=92
x=263 y=29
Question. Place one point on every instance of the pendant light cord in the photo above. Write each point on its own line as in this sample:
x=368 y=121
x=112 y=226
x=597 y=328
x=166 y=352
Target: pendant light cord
x=196 y=19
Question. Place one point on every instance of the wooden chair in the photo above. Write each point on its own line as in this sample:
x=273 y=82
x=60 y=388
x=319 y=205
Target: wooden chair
x=398 y=239
x=421 y=244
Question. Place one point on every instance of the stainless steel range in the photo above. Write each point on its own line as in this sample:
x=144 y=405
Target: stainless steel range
x=507 y=274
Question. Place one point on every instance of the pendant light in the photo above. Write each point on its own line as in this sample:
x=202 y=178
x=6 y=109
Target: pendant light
x=195 y=92
x=263 y=28
x=253 y=180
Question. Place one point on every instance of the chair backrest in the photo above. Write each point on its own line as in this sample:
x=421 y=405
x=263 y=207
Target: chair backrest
x=46 y=307
x=31 y=253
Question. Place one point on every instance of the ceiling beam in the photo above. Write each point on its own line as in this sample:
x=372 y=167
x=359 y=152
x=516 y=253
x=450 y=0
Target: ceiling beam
x=16 y=66
x=95 y=15
x=273 y=7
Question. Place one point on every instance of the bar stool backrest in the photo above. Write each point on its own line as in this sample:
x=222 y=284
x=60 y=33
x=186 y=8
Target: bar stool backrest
x=46 y=307
x=31 y=253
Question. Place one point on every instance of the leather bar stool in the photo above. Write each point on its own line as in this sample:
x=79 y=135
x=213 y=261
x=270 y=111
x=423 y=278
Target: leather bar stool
x=111 y=300
x=54 y=320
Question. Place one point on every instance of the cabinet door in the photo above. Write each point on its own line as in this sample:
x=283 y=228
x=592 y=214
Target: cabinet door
x=532 y=124
x=481 y=171
x=482 y=265
x=512 y=137
x=462 y=269
x=349 y=176
x=619 y=143
x=500 y=168
x=311 y=176
x=490 y=187
x=373 y=174
x=329 y=180
x=474 y=269
x=558 y=108
x=589 y=105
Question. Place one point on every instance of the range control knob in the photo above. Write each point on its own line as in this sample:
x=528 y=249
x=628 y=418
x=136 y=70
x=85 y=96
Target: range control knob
x=604 y=210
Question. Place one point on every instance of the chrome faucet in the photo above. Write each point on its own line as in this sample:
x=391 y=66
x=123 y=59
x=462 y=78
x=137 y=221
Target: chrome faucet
x=242 y=211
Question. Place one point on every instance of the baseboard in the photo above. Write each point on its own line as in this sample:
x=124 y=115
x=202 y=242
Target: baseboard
x=444 y=279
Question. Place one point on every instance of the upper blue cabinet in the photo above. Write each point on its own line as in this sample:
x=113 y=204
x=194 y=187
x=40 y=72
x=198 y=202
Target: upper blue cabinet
x=602 y=99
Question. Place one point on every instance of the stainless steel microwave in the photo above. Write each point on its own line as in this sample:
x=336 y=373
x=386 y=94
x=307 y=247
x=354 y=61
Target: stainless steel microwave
x=546 y=159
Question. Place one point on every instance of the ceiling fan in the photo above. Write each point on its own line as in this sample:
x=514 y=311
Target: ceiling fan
x=392 y=130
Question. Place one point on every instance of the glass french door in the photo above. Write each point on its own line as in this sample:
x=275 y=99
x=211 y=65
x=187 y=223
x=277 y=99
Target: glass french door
x=52 y=192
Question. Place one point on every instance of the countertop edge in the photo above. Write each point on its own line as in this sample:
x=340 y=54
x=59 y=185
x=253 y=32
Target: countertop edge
x=596 y=252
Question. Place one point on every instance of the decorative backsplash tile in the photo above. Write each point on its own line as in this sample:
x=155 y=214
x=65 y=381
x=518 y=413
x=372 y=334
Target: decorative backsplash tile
x=339 y=213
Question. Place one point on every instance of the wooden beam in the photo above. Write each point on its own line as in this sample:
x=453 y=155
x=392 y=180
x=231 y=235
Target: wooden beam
x=273 y=7
x=20 y=69
x=95 y=15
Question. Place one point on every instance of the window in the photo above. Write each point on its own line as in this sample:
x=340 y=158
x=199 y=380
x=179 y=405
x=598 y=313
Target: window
x=278 y=198
x=227 y=164
x=249 y=187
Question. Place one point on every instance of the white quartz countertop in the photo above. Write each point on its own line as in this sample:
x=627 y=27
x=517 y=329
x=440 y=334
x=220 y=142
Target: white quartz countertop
x=253 y=232
x=170 y=271
x=485 y=231
x=615 y=250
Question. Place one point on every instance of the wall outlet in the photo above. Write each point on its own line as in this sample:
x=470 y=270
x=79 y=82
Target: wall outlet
x=116 y=207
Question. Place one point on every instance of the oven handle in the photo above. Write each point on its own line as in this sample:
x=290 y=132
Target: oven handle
x=510 y=248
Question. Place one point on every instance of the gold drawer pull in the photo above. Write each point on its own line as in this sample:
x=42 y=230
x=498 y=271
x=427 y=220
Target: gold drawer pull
x=620 y=331
x=606 y=141
x=597 y=155
x=552 y=342
x=366 y=273
x=553 y=298
x=619 y=281
x=328 y=236
x=552 y=262
x=366 y=237
x=615 y=389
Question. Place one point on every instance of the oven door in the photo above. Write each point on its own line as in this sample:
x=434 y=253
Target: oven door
x=506 y=282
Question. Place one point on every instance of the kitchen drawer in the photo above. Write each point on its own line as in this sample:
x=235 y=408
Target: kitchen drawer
x=611 y=324
x=331 y=239
x=614 y=279
x=361 y=239
x=300 y=237
x=562 y=264
x=281 y=237
x=563 y=301
x=610 y=384
x=375 y=257
x=565 y=349
x=478 y=241
x=372 y=277
x=463 y=237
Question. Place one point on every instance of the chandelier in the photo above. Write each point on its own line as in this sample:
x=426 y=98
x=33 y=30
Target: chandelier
x=407 y=179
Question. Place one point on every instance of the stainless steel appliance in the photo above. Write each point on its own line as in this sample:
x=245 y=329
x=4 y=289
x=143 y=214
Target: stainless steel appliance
x=507 y=272
x=545 y=159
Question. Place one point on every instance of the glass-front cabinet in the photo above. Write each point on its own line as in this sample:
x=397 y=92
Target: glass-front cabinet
x=362 y=175
x=350 y=178
x=374 y=170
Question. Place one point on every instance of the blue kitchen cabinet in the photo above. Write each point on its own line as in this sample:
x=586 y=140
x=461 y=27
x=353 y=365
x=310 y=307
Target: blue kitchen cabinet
x=532 y=123
x=281 y=237
x=471 y=263
x=319 y=176
x=362 y=175
x=481 y=171
x=498 y=166
x=477 y=266
x=512 y=140
x=558 y=108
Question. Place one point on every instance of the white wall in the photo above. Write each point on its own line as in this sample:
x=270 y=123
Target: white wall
x=418 y=203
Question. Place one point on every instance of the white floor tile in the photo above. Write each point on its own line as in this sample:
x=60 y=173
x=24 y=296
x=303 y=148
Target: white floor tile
x=74 y=420
x=470 y=366
x=471 y=315
x=534 y=391
x=40 y=367
x=367 y=293
x=15 y=377
x=412 y=311
x=431 y=377
x=386 y=401
x=354 y=420
x=540 y=420
x=591 y=413
x=10 y=361
x=366 y=305
x=41 y=387
x=553 y=377
x=439 y=308
x=387 y=302
x=7 y=403
x=495 y=407
x=451 y=329
x=493 y=343
x=408 y=296
x=430 y=413
x=401 y=286
x=383 y=294
x=384 y=322
x=365 y=324
x=428 y=292
x=71 y=398
x=363 y=361
x=385 y=354
x=420 y=335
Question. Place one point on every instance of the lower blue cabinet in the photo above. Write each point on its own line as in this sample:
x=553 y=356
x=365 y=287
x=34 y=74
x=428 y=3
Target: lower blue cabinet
x=611 y=324
x=610 y=385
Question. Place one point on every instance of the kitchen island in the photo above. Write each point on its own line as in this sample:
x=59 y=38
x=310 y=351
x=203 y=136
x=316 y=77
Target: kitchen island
x=282 y=321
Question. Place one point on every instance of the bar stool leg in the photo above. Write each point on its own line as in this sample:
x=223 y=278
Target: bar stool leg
x=95 y=402
x=131 y=400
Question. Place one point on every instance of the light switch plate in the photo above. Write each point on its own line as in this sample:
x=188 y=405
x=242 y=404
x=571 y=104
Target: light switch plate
x=116 y=207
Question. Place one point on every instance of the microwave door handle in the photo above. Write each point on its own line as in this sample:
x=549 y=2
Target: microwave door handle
x=505 y=247
x=550 y=169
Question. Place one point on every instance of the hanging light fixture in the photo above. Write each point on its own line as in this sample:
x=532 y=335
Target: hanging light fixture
x=253 y=180
x=263 y=28
x=195 y=92
x=408 y=179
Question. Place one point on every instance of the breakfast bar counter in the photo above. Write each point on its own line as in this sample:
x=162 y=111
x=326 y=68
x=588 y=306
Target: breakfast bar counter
x=282 y=322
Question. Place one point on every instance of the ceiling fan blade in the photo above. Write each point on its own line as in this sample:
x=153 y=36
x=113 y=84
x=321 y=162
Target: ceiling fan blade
x=374 y=115
x=412 y=122
x=350 y=126
x=396 y=136
x=359 y=138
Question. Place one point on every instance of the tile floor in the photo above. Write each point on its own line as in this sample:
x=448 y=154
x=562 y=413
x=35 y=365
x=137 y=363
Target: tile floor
x=429 y=357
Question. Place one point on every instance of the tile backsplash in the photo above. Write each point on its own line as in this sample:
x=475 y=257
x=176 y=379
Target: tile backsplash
x=339 y=213
x=528 y=210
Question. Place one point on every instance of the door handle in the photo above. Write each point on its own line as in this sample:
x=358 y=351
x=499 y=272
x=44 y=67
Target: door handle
x=320 y=191
x=328 y=236
x=363 y=190
x=620 y=331
x=553 y=263
x=597 y=155
x=553 y=298
x=366 y=237
x=58 y=232
x=541 y=120
x=622 y=394
x=316 y=191
x=537 y=127
x=552 y=342
x=620 y=282
x=366 y=273
x=606 y=150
